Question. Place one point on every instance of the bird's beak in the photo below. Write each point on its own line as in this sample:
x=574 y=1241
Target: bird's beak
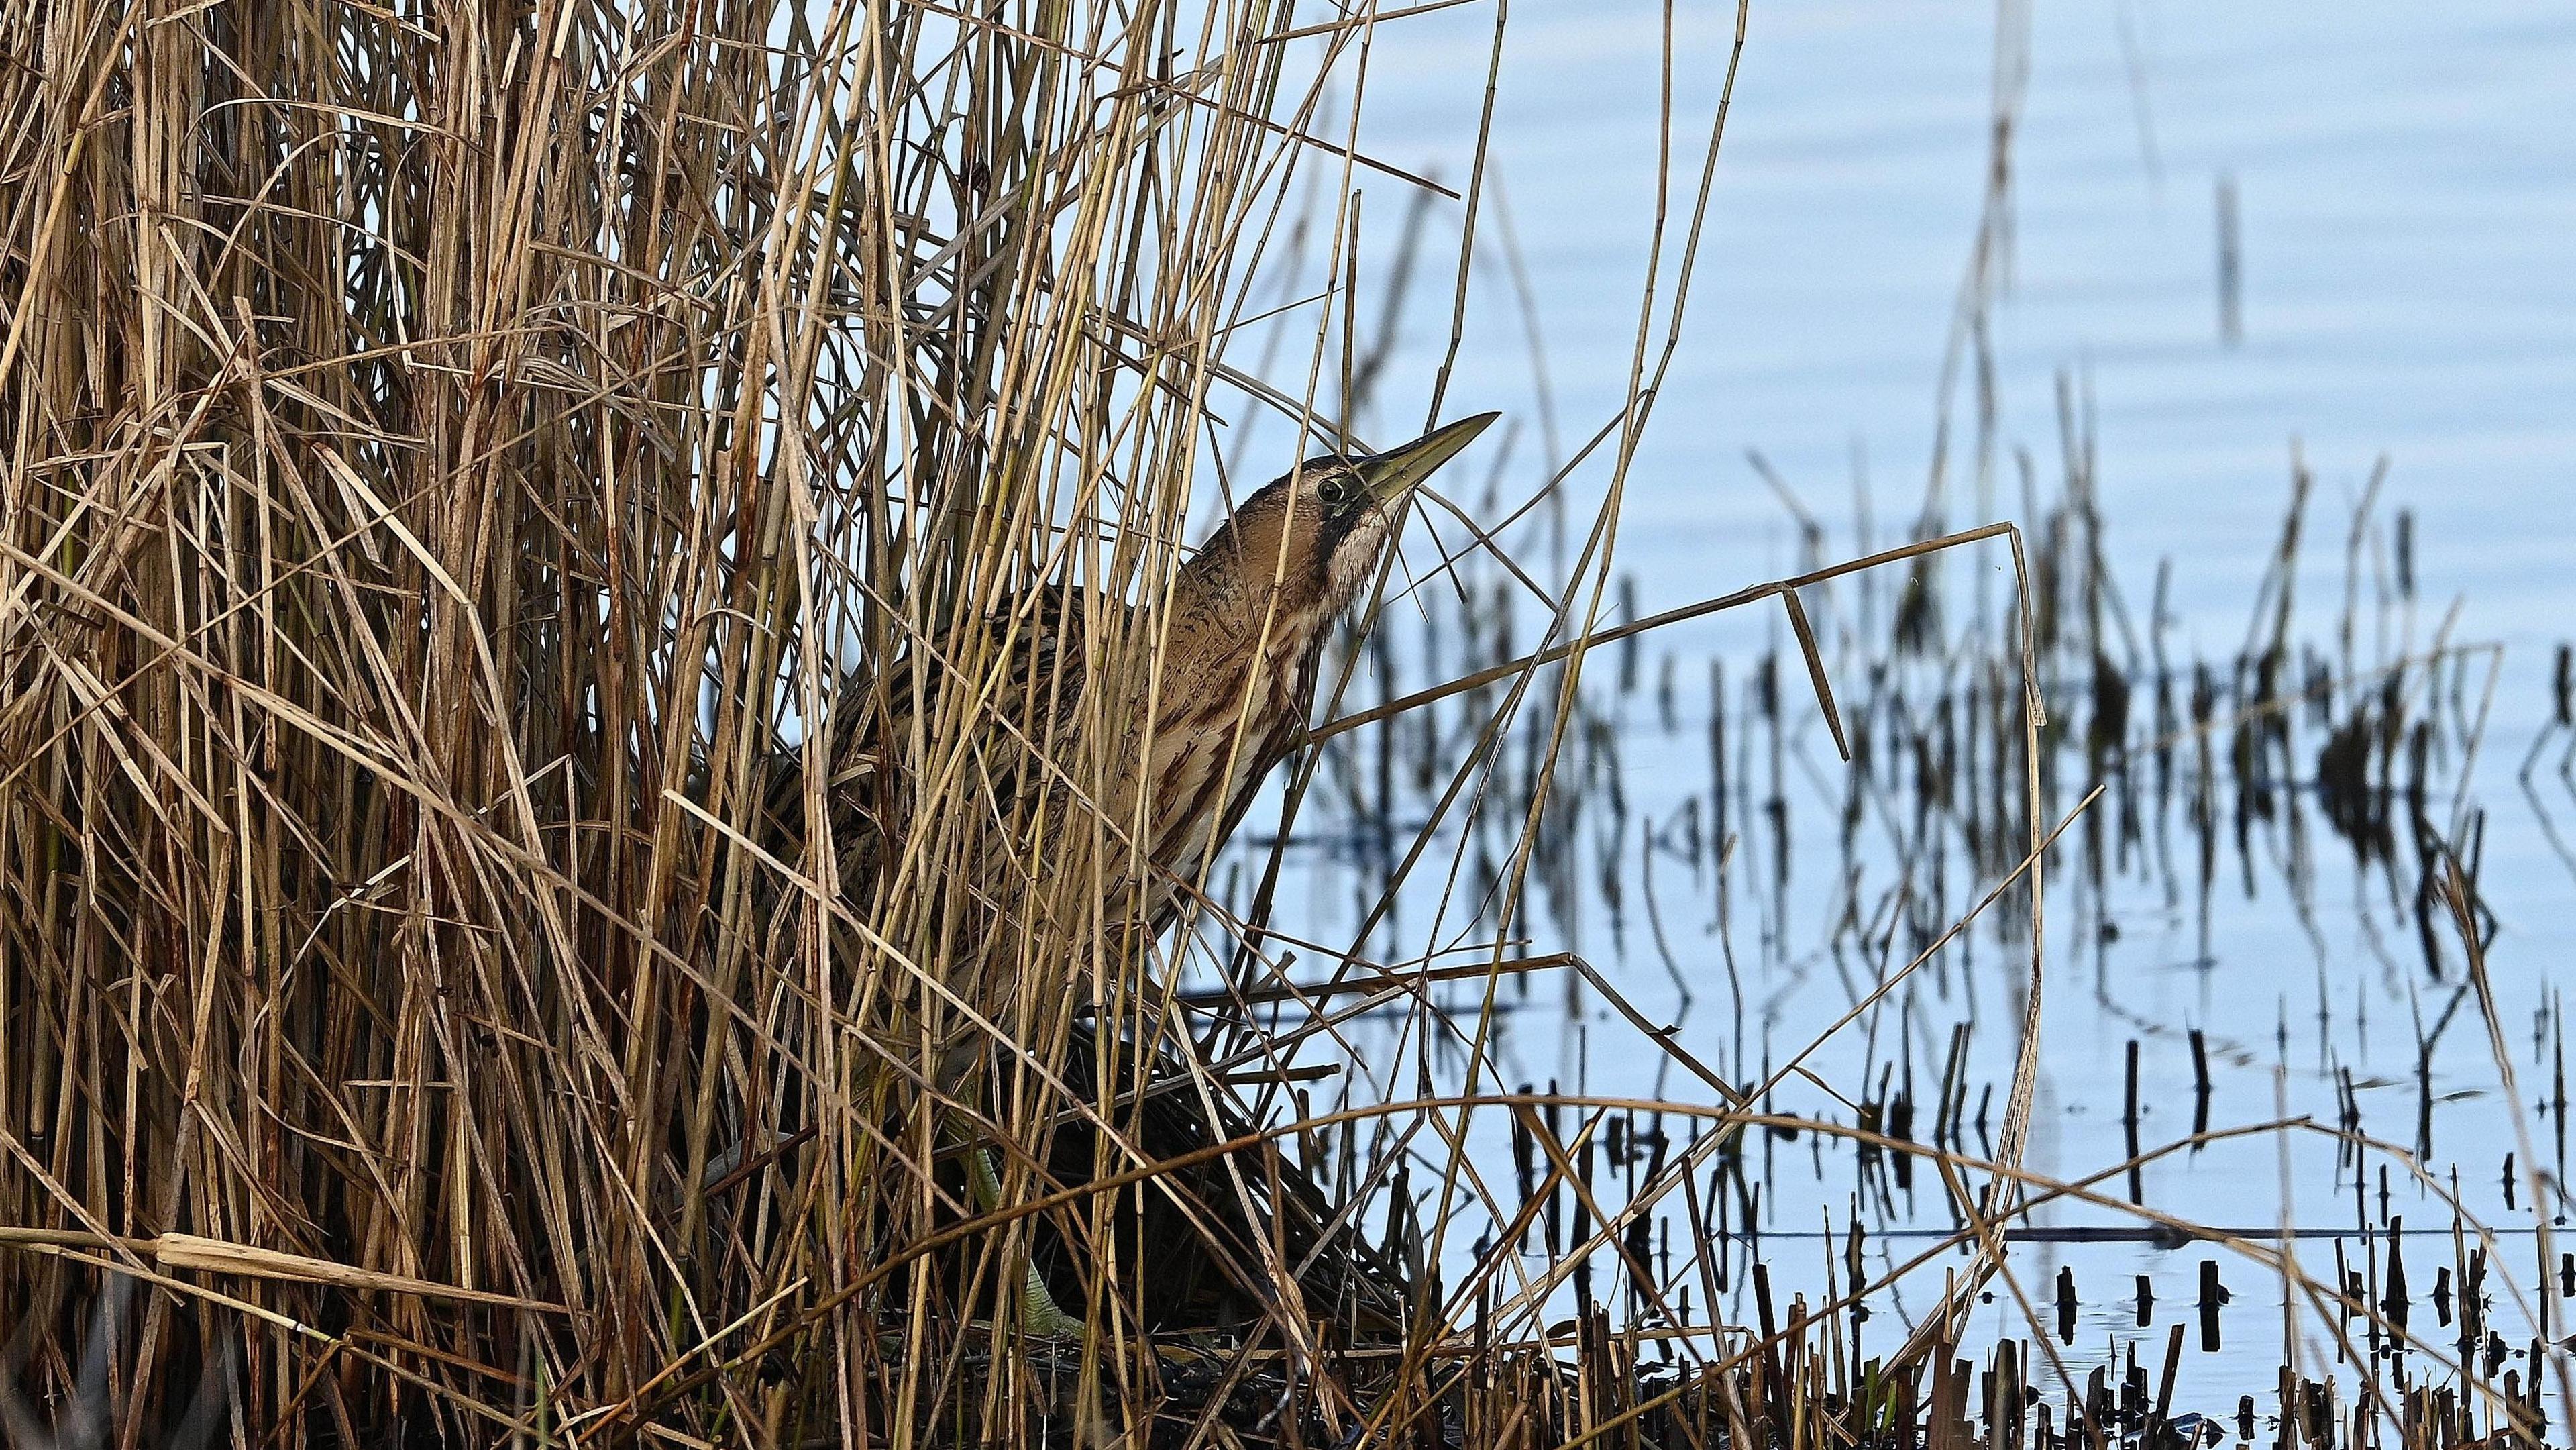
x=1393 y=474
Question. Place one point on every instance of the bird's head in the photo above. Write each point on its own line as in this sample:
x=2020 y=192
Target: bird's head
x=1318 y=530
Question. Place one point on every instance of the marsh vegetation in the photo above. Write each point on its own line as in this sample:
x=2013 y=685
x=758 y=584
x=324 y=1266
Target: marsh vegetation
x=463 y=467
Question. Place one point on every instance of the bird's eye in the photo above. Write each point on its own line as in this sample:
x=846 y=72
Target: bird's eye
x=1338 y=492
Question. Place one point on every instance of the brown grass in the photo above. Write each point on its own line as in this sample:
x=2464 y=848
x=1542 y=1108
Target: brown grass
x=448 y=451
x=451 y=452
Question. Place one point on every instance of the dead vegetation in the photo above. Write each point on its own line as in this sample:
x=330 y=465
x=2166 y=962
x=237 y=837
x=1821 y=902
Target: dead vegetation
x=451 y=454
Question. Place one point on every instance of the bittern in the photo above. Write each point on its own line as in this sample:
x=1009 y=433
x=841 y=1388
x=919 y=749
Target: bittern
x=1222 y=702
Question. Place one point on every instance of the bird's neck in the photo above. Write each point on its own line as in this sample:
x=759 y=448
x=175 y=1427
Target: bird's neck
x=1239 y=609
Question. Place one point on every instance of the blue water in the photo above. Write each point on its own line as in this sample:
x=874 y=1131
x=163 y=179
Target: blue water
x=2408 y=225
x=2406 y=187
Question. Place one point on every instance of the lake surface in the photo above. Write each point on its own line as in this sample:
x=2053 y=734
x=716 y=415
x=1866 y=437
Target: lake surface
x=2405 y=184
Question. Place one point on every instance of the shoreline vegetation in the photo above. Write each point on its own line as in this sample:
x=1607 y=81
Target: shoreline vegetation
x=465 y=464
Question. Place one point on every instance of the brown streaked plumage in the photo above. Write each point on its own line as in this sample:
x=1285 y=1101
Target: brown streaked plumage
x=1245 y=625
x=1233 y=674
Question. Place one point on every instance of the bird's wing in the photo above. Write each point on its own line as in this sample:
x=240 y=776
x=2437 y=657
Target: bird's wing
x=873 y=715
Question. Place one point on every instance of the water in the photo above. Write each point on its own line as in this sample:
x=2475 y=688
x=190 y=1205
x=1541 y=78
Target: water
x=2403 y=177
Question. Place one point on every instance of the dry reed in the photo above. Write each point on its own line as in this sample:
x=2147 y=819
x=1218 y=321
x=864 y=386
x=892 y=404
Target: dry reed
x=449 y=454
x=451 y=451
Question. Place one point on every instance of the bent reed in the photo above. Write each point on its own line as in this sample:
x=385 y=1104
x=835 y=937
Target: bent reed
x=466 y=469
x=453 y=455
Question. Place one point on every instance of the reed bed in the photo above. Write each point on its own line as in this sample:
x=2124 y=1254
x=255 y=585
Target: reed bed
x=453 y=454
x=458 y=460
x=468 y=466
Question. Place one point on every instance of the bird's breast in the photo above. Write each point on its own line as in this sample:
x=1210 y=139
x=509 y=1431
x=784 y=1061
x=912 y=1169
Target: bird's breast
x=1199 y=764
x=1213 y=740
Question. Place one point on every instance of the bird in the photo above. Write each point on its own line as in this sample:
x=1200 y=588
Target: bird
x=1220 y=701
